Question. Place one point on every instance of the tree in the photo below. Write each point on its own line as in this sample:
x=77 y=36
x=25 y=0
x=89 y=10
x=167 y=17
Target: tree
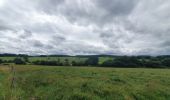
x=152 y=64
x=107 y=63
x=74 y=63
x=1 y=61
x=166 y=62
x=66 y=62
x=126 y=62
x=123 y=61
x=92 y=61
x=26 y=58
x=19 y=61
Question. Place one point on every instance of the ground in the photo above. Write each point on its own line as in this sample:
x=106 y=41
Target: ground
x=29 y=82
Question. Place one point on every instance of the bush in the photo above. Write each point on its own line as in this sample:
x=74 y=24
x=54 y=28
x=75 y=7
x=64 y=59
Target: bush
x=1 y=61
x=19 y=61
x=78 y=63
x=92 y=61
x=107 y=63
x=166 y=62
x=51 y=63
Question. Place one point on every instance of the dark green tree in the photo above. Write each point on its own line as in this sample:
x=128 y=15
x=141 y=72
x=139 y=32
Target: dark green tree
x=26 y=58
x=66 y=62
x=92 y=61
x=74 y=63
x=1 y=61
x=19 y=61
x=166 y=62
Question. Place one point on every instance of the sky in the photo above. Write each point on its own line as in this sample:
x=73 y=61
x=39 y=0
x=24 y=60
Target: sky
x=83 y=27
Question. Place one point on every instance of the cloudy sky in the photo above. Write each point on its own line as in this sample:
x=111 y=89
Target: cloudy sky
x=118 y=27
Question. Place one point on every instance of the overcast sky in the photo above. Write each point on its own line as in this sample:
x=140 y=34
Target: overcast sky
x=117 y=27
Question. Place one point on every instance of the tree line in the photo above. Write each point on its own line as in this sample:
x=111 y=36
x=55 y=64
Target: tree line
x=115 y=61
x=147 y=61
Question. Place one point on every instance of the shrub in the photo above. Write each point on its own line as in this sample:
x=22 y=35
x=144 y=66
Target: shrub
x=19 y=61
x=1 y=61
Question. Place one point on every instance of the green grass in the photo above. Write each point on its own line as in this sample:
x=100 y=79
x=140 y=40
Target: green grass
x=103 y=59
x=84 y=83
x=7 y=58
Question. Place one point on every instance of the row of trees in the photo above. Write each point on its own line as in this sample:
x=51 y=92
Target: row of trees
x=91 y=61
x=125 y=61
x=120 y=61
x=17 y=60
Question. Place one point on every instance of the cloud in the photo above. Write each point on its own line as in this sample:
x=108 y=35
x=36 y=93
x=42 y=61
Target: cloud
x=117 y=7
x=119 y=27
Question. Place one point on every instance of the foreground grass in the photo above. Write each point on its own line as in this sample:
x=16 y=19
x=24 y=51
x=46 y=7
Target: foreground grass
x=84 y=83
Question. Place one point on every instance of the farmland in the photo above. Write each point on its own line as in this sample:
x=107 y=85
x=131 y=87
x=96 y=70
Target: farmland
x=33 y=82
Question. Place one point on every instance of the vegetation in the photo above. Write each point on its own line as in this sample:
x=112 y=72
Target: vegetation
x=19 y=61
x=23 y=77
x=30 y=82
x=93 y=60
x=1 y=61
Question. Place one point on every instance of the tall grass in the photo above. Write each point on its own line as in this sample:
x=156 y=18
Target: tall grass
x=85 y=83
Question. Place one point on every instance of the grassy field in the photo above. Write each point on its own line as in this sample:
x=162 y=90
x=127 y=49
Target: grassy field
x=29 y=82
x=7 y=58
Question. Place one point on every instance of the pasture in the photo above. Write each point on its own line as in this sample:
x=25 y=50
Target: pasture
x=30 y=82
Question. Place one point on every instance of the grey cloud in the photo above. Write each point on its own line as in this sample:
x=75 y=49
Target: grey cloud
x=85 y=11
x=42 y=28
x=117 y=7
x=131 y=27
x=165 y=44
x=26 y=34
x=49 y=6
x=4 y=27
x=59 y=38
x=37 y=43
x=49 y=46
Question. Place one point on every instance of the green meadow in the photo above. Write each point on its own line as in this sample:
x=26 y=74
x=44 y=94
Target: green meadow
x=30 y=82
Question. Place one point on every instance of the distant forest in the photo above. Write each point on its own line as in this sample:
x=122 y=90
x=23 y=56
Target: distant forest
x=89 y=60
